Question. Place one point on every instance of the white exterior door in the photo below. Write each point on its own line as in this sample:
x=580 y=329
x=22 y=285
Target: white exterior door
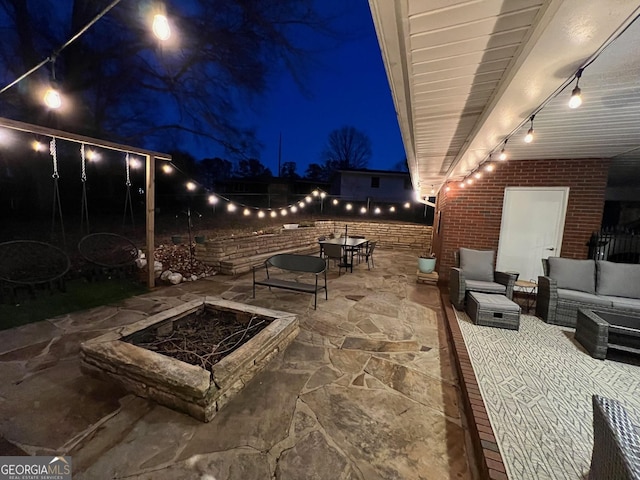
x=531 y=229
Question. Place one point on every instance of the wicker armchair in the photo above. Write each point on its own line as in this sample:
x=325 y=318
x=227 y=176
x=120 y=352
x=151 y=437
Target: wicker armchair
x=616 y=446
x=476 y=273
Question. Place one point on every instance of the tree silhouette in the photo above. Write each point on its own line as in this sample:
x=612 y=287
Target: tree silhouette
x=252 y=168
x=289 y=170
x=123 y=85
x=347 y=147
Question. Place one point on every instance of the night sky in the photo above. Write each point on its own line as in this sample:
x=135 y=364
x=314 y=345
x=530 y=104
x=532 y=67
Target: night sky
x=347 y=86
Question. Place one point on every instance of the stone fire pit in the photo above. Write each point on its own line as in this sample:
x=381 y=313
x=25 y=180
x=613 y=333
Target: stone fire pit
x=184 y=387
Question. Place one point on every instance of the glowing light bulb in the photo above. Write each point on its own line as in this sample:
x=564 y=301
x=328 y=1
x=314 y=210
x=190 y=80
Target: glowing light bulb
x=37 y=146
x=273 y=214
x=231 y=207
x=283 y=212
x=260 y=214
x=503 y=155
x=407 y=205
x=335 y=201
x=489 y=167
x=462 y=185
x=392 y=209
x=213 y=199
x=301 y=204
x=478 y=175
x=529 y=136
x=246 y=212
x=363 y=210
x=135 y=163
x=167 y=168
x=307 y=199
x=377 y=210
x=294 y=209
x=191 y=186
x=348 y=206
x=52 y=98
x=322 y=194
x=576 y=98
x=447 y=189
x=315 y=193
x=160 y=27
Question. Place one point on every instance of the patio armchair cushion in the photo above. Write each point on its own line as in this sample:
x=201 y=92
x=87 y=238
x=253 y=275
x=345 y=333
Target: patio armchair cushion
x=618 y=279
x=477 y=264
x=573 y=274
x=486 y=287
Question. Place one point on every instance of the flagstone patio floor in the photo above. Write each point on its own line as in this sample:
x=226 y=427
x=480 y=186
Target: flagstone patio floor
x=368 y=390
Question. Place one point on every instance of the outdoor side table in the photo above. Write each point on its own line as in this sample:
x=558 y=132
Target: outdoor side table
x=529 y=290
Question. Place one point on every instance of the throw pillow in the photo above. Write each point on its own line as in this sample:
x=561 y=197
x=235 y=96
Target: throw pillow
x=477 y=264
x=618 y=279
x=573 y=274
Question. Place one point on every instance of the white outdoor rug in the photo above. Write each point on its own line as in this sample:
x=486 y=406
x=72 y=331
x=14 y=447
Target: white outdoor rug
x=537 y=385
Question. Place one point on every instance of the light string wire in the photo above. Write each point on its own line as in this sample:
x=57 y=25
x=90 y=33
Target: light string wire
x=52 y=57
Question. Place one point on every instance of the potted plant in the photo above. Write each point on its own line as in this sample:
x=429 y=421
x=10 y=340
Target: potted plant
x=427 y=262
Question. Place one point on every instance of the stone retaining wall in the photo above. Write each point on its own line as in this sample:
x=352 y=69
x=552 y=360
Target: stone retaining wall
x=236 y=254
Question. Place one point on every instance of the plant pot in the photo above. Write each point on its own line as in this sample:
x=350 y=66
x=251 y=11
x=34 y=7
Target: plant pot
x=200 y=238
x=176 y=239
x=426 y=265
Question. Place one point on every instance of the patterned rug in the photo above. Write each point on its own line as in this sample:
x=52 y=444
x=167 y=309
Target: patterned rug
x=537 y=385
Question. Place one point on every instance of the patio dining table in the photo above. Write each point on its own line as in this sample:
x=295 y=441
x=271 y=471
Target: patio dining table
x=349 y=246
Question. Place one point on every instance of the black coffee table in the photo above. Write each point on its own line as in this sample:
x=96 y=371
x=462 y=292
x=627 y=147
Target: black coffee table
x=599 y=332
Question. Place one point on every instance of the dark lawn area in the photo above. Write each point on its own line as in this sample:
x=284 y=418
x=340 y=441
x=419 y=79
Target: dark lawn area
x=80 y=295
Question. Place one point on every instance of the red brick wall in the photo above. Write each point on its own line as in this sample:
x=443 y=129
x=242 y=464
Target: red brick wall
x=471 y=217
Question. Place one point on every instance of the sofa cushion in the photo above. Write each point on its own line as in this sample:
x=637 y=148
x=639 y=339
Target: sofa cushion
x=573 y=274
x=583 y=297
x=623 y=302
x=618 y=279
x=477 y=264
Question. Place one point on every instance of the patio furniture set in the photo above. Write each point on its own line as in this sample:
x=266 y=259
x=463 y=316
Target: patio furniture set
x=342 y=251
x=600 y=299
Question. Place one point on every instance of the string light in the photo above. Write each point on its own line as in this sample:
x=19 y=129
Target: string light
x=377 y=210
x=503 y=152
x=462 y=185
x=363 y=210
x=37 y=146
x=576 y=94
x=307 y=199
x=315 y=193
x=407 y=205
x=166 y=168
x=191 y=186
x=213 y=199
x=231 y=207
x=348 y=206
x=301 y=204
x=160 y=27
x=392 y=209
x=294 y=209
x=335 y=201
x=529 y=136
x=283 y=212
x=469 y=181
x=260 y=214
x=477 y=175
x=448 y=188
x=246 y=212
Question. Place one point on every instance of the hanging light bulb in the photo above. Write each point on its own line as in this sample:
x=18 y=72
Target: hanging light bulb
x=462 y=185
x=52 y=98
x=447 y=188
x=260 y=214
x=348 y=206
x=529 y=136
x=433 y=190
x=363 y=210
x=246 y=212
x=160 y=27
x=469 y=181
x=213 y=199
x=273 y=214
x=166 y=168
x=377 y=211
x=37 y=146
x=315 y=193
x=477 y=175
x=392 y=209
x=335 y=201
x=283 y=212
x=231 y=207
x=191 y=186
x=323 y=194
x=503 y=152
x=407 y=205
x=576 y=94
x=294 y=209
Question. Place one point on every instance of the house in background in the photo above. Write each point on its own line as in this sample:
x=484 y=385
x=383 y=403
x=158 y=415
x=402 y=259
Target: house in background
x=381 y=186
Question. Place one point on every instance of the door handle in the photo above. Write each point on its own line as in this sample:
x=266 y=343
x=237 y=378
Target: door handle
x=550 y=248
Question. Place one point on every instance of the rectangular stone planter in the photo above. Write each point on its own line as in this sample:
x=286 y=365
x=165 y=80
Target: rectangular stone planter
x=179 y=385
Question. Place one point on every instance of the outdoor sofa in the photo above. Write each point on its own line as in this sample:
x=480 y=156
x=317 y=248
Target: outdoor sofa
x=570 y=284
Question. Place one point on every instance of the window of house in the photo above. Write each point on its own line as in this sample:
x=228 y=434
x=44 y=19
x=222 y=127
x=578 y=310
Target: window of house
x=375 y=182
